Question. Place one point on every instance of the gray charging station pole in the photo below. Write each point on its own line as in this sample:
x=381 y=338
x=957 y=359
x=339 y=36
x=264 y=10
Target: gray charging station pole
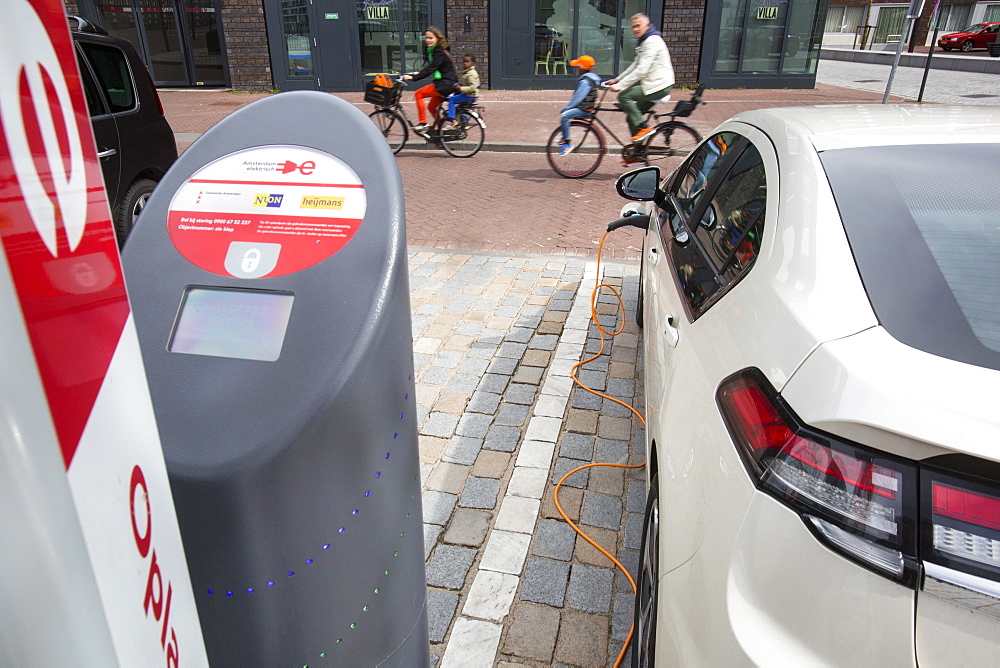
x=269 y=286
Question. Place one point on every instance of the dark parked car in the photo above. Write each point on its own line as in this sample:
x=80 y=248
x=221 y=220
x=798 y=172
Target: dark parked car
x=134 y=141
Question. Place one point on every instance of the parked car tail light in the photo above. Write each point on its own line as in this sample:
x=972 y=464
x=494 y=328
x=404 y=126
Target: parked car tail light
x=156 y=93
x=859 y=502
x=961 y=528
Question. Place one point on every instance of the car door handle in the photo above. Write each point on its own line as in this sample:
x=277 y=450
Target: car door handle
x=654 y=256
x=107 y=153
x=671 y=333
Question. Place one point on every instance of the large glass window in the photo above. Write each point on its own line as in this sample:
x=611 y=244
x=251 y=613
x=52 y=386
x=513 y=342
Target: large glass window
x=178 y=40
x=730 y=47
x=992 y=14
x=889 y=25
x=392 y=35
x=844 y=18
x=566 y=29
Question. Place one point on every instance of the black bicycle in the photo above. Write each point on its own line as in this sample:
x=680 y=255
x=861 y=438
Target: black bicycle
x=669 y=138
x=463 y=140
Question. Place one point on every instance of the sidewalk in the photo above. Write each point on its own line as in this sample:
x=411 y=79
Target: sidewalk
x=515 y=120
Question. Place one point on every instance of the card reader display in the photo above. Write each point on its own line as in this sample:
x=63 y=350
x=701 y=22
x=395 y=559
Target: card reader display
x=243 y=324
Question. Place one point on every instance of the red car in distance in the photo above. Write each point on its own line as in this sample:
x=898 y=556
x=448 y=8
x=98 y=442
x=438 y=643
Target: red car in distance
x=976 y=36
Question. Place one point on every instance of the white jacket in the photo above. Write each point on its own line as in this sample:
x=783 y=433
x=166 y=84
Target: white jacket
x=651 y=68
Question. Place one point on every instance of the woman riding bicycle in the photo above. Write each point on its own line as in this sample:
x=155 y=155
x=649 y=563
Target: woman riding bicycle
x=440 y=64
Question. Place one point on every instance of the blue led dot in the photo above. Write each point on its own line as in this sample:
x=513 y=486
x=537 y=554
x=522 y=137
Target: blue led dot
x=340 y=530
x=249 y=590
x=395 y=435
x=326 y=547
x=309 y=561
x=270 y=583
x=401 y=415
x=368 y=493
x=378 y=474
x=229 y=593
x=354 y=512
x=209 y=591
x=387 y=455
x=291 y=573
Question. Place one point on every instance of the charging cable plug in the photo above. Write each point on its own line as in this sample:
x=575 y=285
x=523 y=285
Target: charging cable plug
x=640 y=221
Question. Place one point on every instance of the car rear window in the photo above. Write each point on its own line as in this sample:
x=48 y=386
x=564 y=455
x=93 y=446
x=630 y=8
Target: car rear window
x=112 y=71
x=924 y=226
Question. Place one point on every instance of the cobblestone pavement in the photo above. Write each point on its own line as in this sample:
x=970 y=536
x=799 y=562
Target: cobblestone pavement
x=495 y=337
x=943 y=86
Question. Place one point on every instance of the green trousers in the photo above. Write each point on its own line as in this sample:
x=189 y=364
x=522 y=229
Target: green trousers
x=636 y=104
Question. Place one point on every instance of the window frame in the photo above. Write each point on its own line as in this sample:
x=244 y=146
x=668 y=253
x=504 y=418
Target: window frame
x=86 y=48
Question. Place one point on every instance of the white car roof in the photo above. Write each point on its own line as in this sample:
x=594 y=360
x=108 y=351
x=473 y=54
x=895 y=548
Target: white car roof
x=850 y=126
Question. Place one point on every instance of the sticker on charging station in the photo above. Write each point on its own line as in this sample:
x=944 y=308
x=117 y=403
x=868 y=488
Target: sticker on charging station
x=266 y=211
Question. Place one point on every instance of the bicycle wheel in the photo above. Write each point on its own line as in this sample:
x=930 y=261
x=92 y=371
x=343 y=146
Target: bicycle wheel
x=588 y=150
x=670 y=140
x=392 y=127
x=465 y=140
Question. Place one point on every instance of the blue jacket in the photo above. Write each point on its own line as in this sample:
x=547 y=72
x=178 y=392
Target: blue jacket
x=582 y=88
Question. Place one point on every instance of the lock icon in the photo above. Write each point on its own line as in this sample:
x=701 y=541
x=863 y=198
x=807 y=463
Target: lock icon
x=84 y=275
x=251 y=260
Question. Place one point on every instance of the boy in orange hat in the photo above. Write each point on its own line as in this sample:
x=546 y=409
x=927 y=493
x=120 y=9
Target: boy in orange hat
x=583 y=100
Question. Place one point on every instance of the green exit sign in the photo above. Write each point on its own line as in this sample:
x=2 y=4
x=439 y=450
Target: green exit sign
x=332 y=16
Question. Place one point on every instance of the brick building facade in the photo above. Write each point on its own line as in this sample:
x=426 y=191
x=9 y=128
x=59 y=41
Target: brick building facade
x=255 y=52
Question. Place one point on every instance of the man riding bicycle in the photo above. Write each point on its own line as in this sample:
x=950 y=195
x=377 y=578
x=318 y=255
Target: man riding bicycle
x=649 y=77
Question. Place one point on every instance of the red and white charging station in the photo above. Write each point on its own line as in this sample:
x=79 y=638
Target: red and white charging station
x=92 y=569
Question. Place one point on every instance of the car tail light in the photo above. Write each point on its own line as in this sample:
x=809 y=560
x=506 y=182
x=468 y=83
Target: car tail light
x=860 y=502
x=961 y=511
x=156 y=94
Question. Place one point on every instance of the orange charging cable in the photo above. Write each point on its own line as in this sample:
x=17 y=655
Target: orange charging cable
x=555 y=496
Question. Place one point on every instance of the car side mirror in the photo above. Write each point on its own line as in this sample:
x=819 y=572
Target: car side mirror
x=640 y=185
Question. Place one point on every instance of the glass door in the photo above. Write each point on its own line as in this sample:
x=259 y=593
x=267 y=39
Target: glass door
x=158 y=21
x=178 y=40
x=299 y=61
x=567 y=29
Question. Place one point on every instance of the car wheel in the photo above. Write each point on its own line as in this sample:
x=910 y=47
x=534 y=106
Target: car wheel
x=967 y=45
x=639 y=302
x=132 y=205
x=647 y=582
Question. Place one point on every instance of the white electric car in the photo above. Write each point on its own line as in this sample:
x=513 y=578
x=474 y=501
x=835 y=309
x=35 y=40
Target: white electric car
x=820 y=294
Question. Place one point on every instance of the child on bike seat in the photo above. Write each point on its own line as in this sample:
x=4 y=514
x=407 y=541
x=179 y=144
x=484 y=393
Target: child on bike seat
x=583 y=101
x=467 y=87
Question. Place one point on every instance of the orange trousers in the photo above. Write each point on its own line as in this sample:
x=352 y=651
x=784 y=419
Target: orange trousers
x=434 y=100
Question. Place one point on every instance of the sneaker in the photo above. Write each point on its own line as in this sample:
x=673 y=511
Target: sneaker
x=421 y=127
x=565 y=150
x=640 y=133
x=631 y=161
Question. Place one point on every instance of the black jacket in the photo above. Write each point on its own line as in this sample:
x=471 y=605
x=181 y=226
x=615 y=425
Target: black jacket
x=440 y=62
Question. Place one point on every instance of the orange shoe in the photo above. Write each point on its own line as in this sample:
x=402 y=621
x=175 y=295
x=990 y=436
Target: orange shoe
x=642 y=132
